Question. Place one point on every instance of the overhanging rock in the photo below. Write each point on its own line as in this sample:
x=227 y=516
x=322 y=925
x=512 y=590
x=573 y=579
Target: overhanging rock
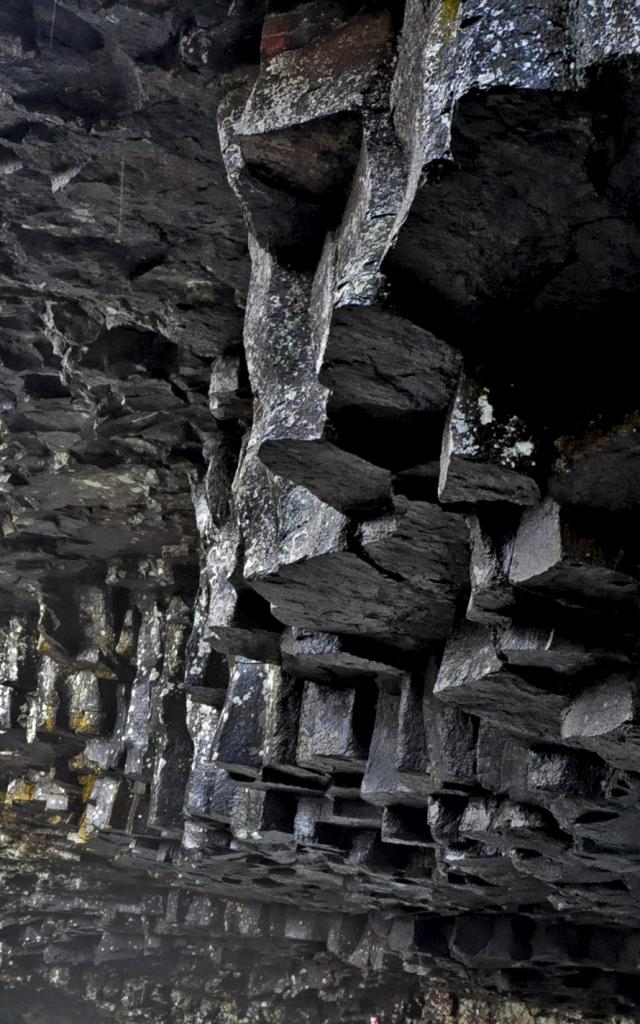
x=319 y=581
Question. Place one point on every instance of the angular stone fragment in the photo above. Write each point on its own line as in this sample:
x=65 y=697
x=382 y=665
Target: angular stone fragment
x=293 y=441
x=335 y=728
x=209 y=792
x=401 y=590
x=383 y=783
x=491 y=538
x=241 y=734
x=263 y=816
x=6 y=701
x=507 y=825
x=353 y=813
x=452 y=736
x=483 y=941
x=556 y=555
x=332 y=71
x=405 y=826
x=604 y=718
x=341 y=479
x=485 y=458
x=228 y=399
x=344 y=934
x=599 y=470
x=139 y=737
x=444 y=814
x=488 y=679
x=314 y=160
x=219 y=623
x=381 y=363
x=327 y=657
x=174 y=747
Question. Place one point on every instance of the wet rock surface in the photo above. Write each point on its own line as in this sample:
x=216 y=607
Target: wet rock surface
x=318 y=495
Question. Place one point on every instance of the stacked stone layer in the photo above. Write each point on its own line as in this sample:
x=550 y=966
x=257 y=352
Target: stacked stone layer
x=320 y=446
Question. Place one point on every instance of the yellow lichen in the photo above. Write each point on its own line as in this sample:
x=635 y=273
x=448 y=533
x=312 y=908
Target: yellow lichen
x=48 y=723
x=87 y=782
x=447 y=17
x=83 y=834
x=20 y=792
x=84 y=722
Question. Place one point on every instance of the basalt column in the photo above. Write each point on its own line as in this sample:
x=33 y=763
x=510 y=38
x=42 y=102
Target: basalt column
x=320 y=444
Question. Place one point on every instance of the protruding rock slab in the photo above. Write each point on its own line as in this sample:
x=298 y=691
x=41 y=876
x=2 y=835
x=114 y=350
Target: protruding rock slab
x=485 y=457
x=561 y=555
x=605 y=718
x=601 y=469
x=382 y=363
x=399 y=586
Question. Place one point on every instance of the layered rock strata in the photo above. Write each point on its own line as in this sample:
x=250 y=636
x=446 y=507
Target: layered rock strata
x=320 y=445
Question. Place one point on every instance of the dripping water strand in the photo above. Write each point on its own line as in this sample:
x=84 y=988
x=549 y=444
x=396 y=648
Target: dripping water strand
x=54 y=7
x=121 y=203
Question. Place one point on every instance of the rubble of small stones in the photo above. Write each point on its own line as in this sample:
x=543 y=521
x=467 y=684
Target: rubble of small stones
x=319 y=486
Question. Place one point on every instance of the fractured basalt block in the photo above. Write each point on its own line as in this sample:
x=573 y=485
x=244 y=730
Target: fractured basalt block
x=383 y=783
x=491 y=538
x=351 y=813
x=307 y=926
x=339 y=478
x=500 y=758
x=344 y=934
x=315 y=160
x=426 y=935
x=402 y=590
x=521 y=690
x=335 y=728
x=244 y=918
x=573 y=776
x=292 y=162
x=258 y=733
x=327 y=657
x=264 y=816
x=139 y=737
x=225 y=619
x=604 y=718
x=485 y=458
x=283 y=344
x=444 y=814
x=332 y=71
x=600 y=469
x=240 y=738
x=419 y=746
x=209 y=792
x=382 y=363
x=452 y=737
x=506 y=825
x=411 y=750
x=228 y=391
x=561 y=555
x=8 y=711
x=173 y=746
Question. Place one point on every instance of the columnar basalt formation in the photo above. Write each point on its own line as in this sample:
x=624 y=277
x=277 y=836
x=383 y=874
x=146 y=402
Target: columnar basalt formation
x=320 y=443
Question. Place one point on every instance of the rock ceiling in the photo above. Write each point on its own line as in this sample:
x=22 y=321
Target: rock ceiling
x=319 y=482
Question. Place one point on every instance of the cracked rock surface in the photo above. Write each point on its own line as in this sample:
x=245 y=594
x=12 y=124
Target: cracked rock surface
x=319 y=486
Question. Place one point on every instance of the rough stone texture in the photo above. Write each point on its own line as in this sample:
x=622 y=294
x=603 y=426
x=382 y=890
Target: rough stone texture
x=318 y=496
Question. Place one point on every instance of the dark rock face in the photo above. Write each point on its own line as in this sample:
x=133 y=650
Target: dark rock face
x=319 y=583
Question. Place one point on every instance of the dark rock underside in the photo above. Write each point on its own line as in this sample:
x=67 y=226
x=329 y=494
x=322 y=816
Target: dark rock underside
x=319 y=485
